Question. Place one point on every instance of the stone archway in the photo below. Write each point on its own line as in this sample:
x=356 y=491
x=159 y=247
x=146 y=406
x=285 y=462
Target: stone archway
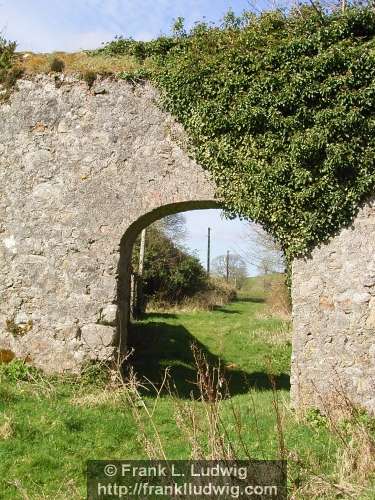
x=81 y=168
x=127 y=242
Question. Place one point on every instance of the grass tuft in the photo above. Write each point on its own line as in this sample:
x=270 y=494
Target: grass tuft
x=76 y=63
x=89 y=77
x=57 y=65
x=6 y=427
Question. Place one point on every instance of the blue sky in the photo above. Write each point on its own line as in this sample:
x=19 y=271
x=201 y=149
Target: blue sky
x=225 y=235
x=71 y=25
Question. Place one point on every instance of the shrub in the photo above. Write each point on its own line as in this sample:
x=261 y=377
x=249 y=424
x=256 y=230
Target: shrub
x=170 y=273
x=8 y=72
x=138 y=49
x=216 y=293
x=278 y=297
x=11 y=77
x=135 y=76
x=17 y=370
x=89 y=77
x=95 y=373
x=57 y=65
x=222 y=291
x=7 y=50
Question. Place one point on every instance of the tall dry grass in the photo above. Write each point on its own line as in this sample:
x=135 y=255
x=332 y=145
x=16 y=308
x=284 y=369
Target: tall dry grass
x=353 y=464
x=217 y=294
x=211 y=437
x=202 y=426
x=78 y=62
x=278 y=298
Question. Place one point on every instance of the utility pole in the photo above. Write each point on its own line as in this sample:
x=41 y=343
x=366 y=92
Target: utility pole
x=208 y=250
x=136 y=297
x=142 y=252
x=227 y=266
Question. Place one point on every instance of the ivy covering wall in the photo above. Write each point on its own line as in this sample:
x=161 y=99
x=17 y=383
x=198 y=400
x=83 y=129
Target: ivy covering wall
x=281 y=110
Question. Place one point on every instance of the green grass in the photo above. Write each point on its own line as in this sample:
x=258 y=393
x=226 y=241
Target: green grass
x=50 y=427
x=234 y=336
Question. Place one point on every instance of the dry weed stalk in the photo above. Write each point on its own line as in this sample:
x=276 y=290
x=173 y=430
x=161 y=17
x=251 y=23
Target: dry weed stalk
x=279 y=422
x=354 y=466
x=202 y=426
x=153 y=445
x=6 y=428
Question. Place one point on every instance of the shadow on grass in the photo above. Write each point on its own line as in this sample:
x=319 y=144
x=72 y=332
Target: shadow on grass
x=225 y=310
x=158 y=346
x=162 y=315
x=254 y=300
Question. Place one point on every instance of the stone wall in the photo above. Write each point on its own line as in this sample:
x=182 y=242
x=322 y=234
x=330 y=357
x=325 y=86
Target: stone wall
x=333 y=294
x=81 y=172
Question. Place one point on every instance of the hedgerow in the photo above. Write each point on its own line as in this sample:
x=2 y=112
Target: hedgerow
x=8 y=71
x=170 y=273
x=280 y=109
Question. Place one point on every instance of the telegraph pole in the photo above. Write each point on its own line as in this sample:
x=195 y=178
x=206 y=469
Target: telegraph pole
x=136 y=297
x=208 y=250
x=142 y=252
x=227 y=266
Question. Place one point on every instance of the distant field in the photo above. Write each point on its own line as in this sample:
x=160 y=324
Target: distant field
x=257 y=285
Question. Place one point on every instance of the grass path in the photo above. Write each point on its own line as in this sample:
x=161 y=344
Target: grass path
x=238 y=336
x=50 y=427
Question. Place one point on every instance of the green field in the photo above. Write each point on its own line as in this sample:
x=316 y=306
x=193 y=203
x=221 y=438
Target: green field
x=49 y=427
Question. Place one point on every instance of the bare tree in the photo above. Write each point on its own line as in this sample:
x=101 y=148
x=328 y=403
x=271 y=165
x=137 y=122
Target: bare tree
x=260 y=250
x=173 y=227
x=234 y=265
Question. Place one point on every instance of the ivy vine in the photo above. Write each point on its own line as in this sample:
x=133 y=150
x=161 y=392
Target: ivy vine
x=282 y=113
x=280 y=108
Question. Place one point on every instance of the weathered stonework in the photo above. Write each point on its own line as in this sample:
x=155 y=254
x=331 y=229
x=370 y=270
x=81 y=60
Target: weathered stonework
x=81 y=173
x=333 y=294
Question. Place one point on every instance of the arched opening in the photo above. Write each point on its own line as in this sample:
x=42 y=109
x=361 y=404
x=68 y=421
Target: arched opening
x=126 y=247
x=170 y=327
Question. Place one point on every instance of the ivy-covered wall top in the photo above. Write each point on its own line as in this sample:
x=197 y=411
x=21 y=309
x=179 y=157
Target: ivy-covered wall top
x=279 y=108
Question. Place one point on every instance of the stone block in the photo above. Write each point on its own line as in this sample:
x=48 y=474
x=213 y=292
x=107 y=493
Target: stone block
x=96 y=336
x=326 y=303
x=361 y=297
x=108 y=315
